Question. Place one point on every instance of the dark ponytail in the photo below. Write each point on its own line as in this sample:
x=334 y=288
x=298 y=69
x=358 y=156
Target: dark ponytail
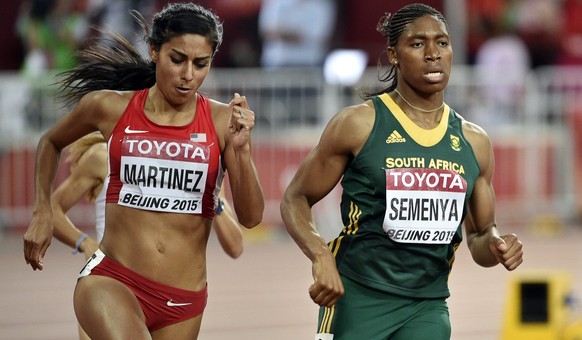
x=110 y=62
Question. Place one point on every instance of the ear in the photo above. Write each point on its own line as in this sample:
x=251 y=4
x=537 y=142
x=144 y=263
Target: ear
x=153 y=54
x=392 y=58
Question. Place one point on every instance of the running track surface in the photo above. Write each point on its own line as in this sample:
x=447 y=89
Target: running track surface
x=263 y=294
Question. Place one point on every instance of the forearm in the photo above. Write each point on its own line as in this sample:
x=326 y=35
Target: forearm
x=297 y=217
x=47 y=159
x=229 y=234
x=246 y=190
x=64 y=230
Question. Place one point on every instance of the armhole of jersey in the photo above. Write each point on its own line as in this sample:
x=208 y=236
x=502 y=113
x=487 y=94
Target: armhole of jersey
x=377 y=119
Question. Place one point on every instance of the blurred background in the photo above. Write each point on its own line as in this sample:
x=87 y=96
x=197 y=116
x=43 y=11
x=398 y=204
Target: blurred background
x=517 y=72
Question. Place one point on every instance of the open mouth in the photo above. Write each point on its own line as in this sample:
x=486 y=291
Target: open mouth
x=434 y=76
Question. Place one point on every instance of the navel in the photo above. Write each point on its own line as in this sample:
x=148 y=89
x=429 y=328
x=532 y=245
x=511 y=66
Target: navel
x=161 y=248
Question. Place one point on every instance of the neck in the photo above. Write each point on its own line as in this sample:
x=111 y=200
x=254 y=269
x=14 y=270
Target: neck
x=419 y=108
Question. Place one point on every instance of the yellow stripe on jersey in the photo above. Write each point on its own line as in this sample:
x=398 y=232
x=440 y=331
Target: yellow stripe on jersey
x=327 y=319
x=424 y=137
x=350 y=229
x=355 y=214
x=452 y=259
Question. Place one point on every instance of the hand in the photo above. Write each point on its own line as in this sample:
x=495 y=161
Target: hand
x=508 y=250
x=89 y=247
x=242 y=120
x=37 y=239
x=327 y=287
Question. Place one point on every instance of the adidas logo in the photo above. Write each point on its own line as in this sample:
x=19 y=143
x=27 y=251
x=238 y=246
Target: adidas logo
x=395 y=137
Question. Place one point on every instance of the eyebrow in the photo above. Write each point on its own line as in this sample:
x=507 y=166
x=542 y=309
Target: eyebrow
x=424 y=36
x=182 y=54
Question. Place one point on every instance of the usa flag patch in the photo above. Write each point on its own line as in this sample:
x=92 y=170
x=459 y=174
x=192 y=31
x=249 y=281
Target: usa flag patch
x=198 y=137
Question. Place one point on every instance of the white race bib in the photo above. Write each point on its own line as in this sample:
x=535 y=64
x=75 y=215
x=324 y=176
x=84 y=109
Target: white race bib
x=163 y=174
x=423 y=205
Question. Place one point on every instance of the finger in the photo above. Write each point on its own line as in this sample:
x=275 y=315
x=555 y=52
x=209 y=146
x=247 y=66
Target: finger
x=325 y=296
x=236 y=100
x=314 y=290
x=510 y=239
x=514 y=265
x=26 y=249
x=30 y=251
x=43 y=250
x=513 y=258
x=498 y=245
x=239 y=102
x=513 y=262
x=34 y=255
x=317 y=293
x=35 y=261
x=324 y=299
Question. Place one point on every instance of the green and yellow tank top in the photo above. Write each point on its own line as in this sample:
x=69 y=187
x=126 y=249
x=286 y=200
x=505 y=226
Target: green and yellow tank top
x=403 y=203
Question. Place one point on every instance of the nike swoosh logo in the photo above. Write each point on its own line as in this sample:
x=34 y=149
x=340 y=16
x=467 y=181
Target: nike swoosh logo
x=174 y=304
x=128 y=130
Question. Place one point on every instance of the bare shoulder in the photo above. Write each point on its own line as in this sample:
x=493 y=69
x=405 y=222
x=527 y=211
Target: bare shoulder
x=362 y=113
x=220 y=111
x=351 y=126
x=217 y=106
x=108 y=95
x=107 y=99
x=475 y=134
x=102 y=108
x=355 y=118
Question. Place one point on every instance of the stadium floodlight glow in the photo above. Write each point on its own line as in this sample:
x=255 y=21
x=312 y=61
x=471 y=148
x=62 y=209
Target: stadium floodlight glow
x=344 y=67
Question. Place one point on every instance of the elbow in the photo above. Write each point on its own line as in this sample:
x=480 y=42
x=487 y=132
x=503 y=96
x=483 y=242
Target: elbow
x=252 y=222
x=235 y=252
x=253 y=218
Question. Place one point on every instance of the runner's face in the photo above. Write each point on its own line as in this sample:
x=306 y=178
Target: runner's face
x=424 y=55
x=182 y=64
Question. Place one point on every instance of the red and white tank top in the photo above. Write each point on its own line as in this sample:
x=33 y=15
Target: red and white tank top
x=173 y=169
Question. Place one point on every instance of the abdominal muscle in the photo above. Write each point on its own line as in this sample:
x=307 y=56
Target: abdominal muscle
x=164 y=247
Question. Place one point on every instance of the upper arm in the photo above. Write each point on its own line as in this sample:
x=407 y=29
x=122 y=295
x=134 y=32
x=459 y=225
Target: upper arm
x=324 y=166
x=481 y=207
x=88 y=174
x=220 y=116
x=96 y=111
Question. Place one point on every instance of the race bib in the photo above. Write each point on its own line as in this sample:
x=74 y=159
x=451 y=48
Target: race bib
x=163 y=175
x=423 y=205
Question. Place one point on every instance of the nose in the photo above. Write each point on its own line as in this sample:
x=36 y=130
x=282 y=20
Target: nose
x=432 y=52
x=188 y=72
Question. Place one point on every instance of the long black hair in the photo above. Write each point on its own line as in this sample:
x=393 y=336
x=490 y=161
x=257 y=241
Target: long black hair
x=113 y=63
x=391 y=27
